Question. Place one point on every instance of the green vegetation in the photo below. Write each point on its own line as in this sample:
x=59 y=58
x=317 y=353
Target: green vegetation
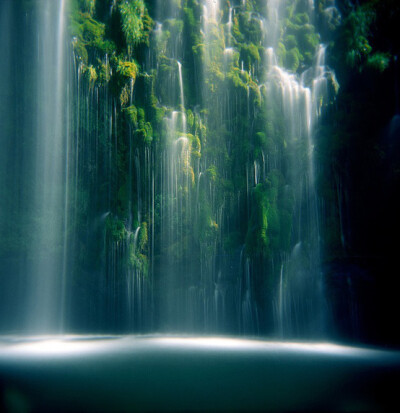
x=231 y=125
x=159 y=181
x=136 y=23
x=355 y=131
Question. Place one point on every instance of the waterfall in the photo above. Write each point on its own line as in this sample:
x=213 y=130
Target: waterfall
x=229 y=25
x=181 y=93
x=169 y=183
x=300 y=98
x=47 y=272
x=35 y=163
x=210 y=12
x=175 y=189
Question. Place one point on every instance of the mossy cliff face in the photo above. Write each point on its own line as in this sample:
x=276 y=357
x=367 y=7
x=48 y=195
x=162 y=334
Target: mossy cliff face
x=214 y=166
x=183 y=151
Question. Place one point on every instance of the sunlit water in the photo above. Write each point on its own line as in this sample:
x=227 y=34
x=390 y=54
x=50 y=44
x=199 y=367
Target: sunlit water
x=171 y=373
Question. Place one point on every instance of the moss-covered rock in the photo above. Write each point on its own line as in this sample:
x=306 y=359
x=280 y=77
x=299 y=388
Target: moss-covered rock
x=136 y=22
x=116 y=229
x=293 y=59
x=128 y=69
x=131 y=111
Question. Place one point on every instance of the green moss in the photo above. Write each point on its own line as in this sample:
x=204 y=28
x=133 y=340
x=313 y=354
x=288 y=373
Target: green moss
x=190 y=18
x=215 y=71
x=261 y=139
x=90 y=74
x=136 y=23
x=174 y=27
x=140 y=136
x=195 y=147
x=159 y=114
x=308 y=41
x=104 y=70
x=293 y=59
x=352 y=44
x=211 y=173
x=281 y=54
x=166 y=64
x=236 y=31
x=144 y=136
x=190 y=118
x=139 y=261
x=87 y=6
x=80 y=50
x=116 y=229
x=89 y=37
x=91 y=30
x=249 y=53
x=251 y=28
x=255 y=94
x=124 y=96
x=198 y=50
x=143 y=237
x=274 y=226
x=206 y=228
x=378 y=61
x=301 y=18
x=290 y=41
x=160 y=41
x=257 y=242
x=141 y=115
x=131 y=111
x=138 y=253
x=234 y=78
x=128 y=69
x=299 y=35
x=270 y=222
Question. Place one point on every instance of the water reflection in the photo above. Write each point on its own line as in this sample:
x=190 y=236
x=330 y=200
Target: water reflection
x=181 y=373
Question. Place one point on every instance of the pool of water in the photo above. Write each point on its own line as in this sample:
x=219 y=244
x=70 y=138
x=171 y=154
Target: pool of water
x=169 y=373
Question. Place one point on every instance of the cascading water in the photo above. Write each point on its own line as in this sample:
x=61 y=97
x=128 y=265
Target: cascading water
x=41 y=134
x=180 y=198
x=176 y=187
x=299 y=302
x=48 y=276
x=211 y=9
x=160 y=177
x=175 y=181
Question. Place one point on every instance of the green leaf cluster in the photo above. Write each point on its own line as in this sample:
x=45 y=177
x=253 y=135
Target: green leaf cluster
x=136 y=23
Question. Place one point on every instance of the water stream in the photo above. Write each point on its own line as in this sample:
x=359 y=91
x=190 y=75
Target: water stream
x=142 y=224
